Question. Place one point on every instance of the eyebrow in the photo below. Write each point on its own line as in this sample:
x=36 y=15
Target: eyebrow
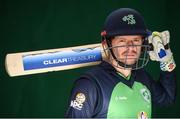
x=128 y=39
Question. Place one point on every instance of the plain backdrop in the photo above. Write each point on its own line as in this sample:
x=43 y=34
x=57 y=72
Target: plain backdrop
x=27 y=25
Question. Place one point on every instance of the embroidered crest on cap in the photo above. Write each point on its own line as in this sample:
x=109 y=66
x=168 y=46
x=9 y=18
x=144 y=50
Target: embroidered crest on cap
x=129 y=19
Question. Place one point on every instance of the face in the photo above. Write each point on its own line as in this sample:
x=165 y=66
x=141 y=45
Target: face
x=127 y=49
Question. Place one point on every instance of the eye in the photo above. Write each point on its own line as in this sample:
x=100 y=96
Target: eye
x=121 y=40
x=137 y=40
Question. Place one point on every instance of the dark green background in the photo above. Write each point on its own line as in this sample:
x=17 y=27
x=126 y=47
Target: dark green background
x=27 y=25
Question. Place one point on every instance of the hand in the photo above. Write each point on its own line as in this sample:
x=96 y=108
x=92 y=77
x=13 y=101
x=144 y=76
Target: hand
x=159 y=53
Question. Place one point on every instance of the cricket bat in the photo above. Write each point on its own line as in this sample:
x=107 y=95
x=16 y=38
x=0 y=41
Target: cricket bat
x=42 y=61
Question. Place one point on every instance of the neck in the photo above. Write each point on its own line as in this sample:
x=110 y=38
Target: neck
x=124 y=71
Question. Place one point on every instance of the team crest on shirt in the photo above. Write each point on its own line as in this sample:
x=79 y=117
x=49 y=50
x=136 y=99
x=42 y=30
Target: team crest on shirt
x=145 y=94
x=78 y=102
x=142 y=115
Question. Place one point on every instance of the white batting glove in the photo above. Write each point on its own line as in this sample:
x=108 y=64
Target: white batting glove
x=159 y=53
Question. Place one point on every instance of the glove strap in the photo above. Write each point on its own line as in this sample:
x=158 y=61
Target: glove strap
x=168 y=66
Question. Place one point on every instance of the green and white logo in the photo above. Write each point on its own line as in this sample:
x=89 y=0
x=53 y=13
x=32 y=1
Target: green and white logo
x=146 y=94
x=129 y=19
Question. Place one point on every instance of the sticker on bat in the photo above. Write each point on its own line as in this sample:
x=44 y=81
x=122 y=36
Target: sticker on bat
x=61 y=58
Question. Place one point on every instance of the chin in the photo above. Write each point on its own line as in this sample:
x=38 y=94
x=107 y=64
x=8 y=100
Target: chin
x=130 y=61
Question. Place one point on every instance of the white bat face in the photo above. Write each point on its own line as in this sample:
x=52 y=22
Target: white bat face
x=42 y=61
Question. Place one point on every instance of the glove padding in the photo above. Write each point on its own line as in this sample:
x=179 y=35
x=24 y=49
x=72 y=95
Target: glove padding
x=159 y=53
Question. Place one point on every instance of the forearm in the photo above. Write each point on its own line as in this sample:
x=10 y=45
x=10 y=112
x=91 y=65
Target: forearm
x=164 y=91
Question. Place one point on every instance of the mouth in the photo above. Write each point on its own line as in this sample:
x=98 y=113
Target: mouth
x=130 y=55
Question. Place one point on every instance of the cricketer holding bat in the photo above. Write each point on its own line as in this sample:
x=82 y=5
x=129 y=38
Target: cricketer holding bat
x=120 y=87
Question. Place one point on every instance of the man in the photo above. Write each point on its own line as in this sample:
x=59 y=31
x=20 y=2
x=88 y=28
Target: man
x=120 y=87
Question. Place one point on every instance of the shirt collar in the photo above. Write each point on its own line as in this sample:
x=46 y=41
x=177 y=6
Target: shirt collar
x=110 y=69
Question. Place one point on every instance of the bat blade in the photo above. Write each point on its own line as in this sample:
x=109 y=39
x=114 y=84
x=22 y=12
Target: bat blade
x=33 y=62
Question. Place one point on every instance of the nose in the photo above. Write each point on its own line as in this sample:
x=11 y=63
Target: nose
x=130 y=45
x=130 y=42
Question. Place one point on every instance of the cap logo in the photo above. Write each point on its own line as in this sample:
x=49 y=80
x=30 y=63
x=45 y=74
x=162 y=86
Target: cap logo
x=129 y=19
